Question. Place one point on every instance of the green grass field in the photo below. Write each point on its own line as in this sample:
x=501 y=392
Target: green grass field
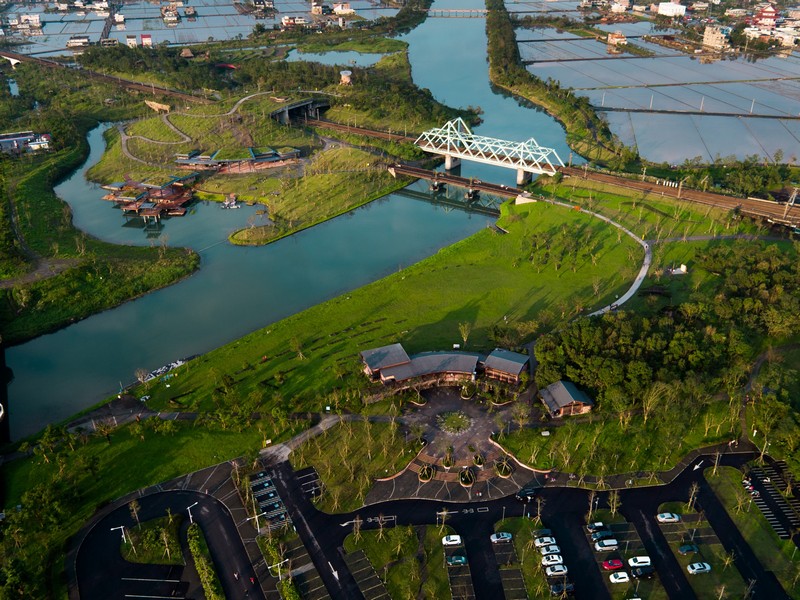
x=350 y=457
x=481 y=280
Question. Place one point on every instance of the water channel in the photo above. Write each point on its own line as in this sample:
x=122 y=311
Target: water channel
x=238 y=290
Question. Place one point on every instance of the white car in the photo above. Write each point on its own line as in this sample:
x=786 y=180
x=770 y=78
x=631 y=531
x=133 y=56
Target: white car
x=639 y=561
x=451 y=540
x=606 y=545
x=556 y=571
x=619 y=577
x=668 y=518
x=544 y=541
x=500 y=537
x=552 y=559
x=551 y=549
x=696 y=568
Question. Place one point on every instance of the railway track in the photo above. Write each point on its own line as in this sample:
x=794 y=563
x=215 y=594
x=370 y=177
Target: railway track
x=381 y=135
x=771 y=211
x=131 y=85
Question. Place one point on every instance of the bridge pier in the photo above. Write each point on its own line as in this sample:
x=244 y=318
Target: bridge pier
x=283 y=117
x=523 y=177
x=451 y=162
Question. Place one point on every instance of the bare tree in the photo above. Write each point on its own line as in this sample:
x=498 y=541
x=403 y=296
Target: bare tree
x=464 y=329
x=134 y=507
x=614 y=501
x=141 y=375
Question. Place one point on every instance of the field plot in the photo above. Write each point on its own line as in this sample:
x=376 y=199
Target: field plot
x=214 y=20
x=681 y=89
x=556 y=8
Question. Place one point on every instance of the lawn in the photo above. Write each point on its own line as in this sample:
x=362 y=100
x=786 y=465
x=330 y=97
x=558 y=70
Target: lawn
x=409 y=560
x=154 y=542
x=485 y=281
x=773 y=553
x=153 y=128
x=608 y=444
x=350 y=457
x=335 y=182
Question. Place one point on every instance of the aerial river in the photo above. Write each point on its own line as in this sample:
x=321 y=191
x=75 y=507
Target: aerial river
x=238 y=290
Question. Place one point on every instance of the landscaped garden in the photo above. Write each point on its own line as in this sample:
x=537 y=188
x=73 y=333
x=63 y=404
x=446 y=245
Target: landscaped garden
x=409 y=560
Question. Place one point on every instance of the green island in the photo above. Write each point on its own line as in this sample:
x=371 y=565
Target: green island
x=699 y=357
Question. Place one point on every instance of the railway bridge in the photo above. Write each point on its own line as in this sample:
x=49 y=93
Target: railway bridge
x=455 y=141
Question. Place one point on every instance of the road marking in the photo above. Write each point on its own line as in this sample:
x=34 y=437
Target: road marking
x=482 y=509
x=158 y=597
x=143 y=579
x=335 y=574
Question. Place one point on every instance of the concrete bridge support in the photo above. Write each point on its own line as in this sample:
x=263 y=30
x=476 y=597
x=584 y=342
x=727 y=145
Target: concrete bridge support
x=523 y=177
x=451 y=162
x=283 y=117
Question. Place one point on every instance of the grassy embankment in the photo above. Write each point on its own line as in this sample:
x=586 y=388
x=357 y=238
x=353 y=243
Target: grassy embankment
x=154 y=542
x=99 y=275
x=775 y=555
x=587 y=134
x=480 y=281
x=409 y=560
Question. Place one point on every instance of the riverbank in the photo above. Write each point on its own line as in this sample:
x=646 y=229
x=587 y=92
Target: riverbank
x=99 y=276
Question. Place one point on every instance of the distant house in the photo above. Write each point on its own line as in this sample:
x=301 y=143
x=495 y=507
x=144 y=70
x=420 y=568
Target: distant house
x=715 y=37
x=147 y=40
x=562 y=399
x=24 y=141
x=505 y=365
x=671 y=9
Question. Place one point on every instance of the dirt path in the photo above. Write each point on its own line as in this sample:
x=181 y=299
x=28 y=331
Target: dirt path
x=46 y=267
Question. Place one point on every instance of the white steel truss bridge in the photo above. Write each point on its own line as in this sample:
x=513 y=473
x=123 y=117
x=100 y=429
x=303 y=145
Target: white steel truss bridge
x=455 y=141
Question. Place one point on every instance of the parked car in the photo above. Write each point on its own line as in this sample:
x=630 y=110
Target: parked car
x=619 y=577
x=646 y=572
x=451 y=540
x=542 y=533
x=700 y=567
x=552 y=559
x=501 y=537
x=528 y=492
x=551 y=549
x=456 y=560
x=592 y=527
x=556 y=571
x=613 y=564
x=639 y=561
x=559 y=589
x=544 y=541
x=668 y=518
x=606 y=545
x=688 y=549
x=602 y=535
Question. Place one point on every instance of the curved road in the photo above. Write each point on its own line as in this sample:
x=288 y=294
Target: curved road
x=104 y=575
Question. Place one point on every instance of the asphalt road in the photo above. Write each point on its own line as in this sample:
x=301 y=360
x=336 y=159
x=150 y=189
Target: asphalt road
x=563 y=511
x=104 y=575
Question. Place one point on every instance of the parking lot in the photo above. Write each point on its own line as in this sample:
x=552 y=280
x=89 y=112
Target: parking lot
x=366 y=578
x=459 y=576
x=510 y=574
x=311 y=586
x=272 y=511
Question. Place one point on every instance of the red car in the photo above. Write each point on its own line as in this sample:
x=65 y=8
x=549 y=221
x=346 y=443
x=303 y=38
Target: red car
x=613 y=564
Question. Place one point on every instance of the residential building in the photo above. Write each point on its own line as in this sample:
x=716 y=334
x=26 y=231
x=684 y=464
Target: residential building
x=715 y=37
x=562 y=399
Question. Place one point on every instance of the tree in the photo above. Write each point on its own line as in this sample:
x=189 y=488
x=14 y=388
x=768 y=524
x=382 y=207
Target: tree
x=614 y=501
x=141 y=375
x=464 y=329
x=134 y=507
x=693 y=491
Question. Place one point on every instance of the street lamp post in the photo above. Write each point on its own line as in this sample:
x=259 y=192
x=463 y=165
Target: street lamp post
x=122 y=531
x=278 y=564
x=189 y=509
x=258 y=527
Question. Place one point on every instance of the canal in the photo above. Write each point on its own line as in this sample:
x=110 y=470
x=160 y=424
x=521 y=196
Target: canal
x=238 y=290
